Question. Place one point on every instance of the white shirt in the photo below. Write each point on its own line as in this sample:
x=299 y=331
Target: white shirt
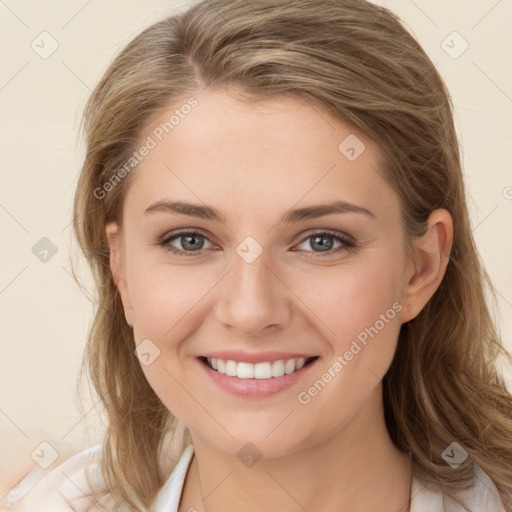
x=68 y=480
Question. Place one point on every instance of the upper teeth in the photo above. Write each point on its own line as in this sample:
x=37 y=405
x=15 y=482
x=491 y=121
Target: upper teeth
x=265 y=370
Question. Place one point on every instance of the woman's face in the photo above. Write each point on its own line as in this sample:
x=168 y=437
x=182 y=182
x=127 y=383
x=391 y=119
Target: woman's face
x=306 y=263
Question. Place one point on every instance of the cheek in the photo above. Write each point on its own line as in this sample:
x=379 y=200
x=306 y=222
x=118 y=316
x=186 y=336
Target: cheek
x=360 y=303
x=352 y=297
x=361 y=306
x=166 y=303
x=164 y=298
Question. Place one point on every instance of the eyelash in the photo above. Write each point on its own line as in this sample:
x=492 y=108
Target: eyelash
x=347 y=244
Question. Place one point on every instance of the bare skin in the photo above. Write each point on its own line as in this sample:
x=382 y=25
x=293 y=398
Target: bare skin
x=330 y=450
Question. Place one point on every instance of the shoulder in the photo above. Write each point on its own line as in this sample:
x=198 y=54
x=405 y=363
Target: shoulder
x=482 y=496
x=64 y=489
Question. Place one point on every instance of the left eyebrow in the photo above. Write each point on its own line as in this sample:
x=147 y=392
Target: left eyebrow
x=312 y=212
x=290 y=217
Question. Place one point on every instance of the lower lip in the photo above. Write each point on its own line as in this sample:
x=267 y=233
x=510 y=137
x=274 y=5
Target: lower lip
x=257 y=388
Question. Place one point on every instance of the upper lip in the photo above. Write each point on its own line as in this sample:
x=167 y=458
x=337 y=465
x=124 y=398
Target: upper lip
x=255 y=357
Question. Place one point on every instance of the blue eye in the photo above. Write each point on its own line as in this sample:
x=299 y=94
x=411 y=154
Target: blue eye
x=192 y=243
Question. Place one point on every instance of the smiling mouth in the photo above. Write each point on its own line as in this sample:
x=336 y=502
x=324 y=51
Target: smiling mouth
x=265 y=370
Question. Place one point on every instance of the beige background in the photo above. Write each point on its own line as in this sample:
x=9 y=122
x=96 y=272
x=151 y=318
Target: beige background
x=44 y=316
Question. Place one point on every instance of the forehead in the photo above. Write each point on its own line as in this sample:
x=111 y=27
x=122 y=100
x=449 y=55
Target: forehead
x=273 y=153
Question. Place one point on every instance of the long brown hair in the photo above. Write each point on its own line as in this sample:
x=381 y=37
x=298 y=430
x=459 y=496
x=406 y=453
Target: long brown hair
x=358 y=63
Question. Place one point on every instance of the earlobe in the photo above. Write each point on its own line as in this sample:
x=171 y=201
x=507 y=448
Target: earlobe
x=431 y=257
x=117 y=268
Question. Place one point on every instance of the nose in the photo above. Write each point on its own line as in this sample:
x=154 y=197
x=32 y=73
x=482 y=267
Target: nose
x=253 y=300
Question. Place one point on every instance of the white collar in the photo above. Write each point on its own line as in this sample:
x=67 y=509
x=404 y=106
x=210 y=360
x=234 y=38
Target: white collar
x=482 y=497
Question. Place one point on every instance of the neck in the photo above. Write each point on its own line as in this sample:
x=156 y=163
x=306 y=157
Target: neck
x=359 y=468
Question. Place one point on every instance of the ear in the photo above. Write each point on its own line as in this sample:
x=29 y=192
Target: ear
x=430 y=259
x=118 y=269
